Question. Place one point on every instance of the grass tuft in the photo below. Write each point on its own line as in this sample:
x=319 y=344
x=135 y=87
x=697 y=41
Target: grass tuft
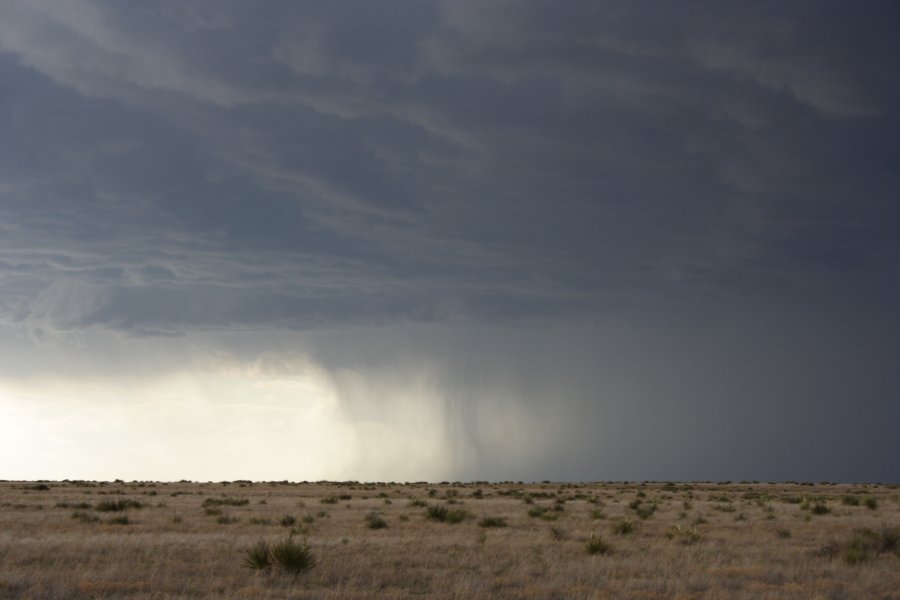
x=596 y=545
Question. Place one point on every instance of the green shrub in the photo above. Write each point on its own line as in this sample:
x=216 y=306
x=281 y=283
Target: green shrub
x=258 y=557
x=225 y=502
x=850 y=500
x=871 y=502
x=864 y=544
x=329 y=500
x=288 y=520
x=440 y=513
x=623 y=527
x=436 y=512
x=597 y=514
x=457 y=516
x=596 y=545
x=492 y=522
x=820 y=509
x=226 y=520
x=292 y=557
x=85 y=517
x=120 y=520
x=116 y=505
x=374 y=521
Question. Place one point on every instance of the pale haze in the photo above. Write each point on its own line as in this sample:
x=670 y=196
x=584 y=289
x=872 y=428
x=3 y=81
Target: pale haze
x=450 y=240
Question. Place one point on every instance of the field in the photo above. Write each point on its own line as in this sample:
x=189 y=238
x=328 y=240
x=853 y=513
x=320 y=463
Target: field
x=77 y=539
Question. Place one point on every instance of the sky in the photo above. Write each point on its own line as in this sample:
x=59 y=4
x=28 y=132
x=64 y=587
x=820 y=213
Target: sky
x=450 y=240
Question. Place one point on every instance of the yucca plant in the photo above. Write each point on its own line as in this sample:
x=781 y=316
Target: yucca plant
x=258 y=557
x=293 y=557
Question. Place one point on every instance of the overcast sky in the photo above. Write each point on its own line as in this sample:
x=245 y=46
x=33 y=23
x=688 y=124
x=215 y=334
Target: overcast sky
x=450 y=240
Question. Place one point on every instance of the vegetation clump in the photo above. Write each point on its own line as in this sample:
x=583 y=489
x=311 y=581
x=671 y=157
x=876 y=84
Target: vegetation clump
x=375 y=521
x=287 y=556
x=117 y=505
x=492 y=522
x=596 y=545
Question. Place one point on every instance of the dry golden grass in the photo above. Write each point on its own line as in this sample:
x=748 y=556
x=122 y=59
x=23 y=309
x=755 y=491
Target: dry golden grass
x=188 y=540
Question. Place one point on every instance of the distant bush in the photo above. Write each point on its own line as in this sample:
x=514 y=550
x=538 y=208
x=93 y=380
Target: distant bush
x=329 y=500
x=120 y=520
x=850 y=500
x=226 y=520
x=871 y=502
x=225 y=502
x=117 y=505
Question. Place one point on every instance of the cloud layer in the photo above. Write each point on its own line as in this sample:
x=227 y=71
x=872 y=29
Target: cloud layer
x=436 y=180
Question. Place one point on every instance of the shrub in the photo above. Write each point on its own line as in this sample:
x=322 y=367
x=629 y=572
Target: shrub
x=258 y=557
x=292 y=557
x=117 y=505
x=260 y=521
x=820 y=509
x=329 y=500
x=864 y=544
x=684 y=536
x=374 y=521
x=38 y=487
x=120 y=520
x=288 y=520
x=85 y=517
x=212 y=512
x=492 y=522
x=596 y=545
x=850 y=500
x=457 y=516
x=597 y=514
x=871 y=502
x=435 y=512
x=544 y=513
x=783 y=533
x=623 y=527
x=226 y=502
x=226 y=520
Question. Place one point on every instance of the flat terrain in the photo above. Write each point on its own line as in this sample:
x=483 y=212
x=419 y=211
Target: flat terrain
x=78 y=539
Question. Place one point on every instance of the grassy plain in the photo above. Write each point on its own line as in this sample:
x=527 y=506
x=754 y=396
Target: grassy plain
x=76 y=539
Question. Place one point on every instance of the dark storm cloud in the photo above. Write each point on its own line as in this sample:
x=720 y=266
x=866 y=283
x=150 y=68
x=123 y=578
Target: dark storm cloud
x=426 y=160
x=681 y=220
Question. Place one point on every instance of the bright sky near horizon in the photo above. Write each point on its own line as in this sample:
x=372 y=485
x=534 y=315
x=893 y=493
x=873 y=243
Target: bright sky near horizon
x=449 y=240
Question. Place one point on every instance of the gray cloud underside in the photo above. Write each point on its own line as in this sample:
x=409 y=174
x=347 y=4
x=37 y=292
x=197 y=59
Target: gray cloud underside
x=249 y=165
